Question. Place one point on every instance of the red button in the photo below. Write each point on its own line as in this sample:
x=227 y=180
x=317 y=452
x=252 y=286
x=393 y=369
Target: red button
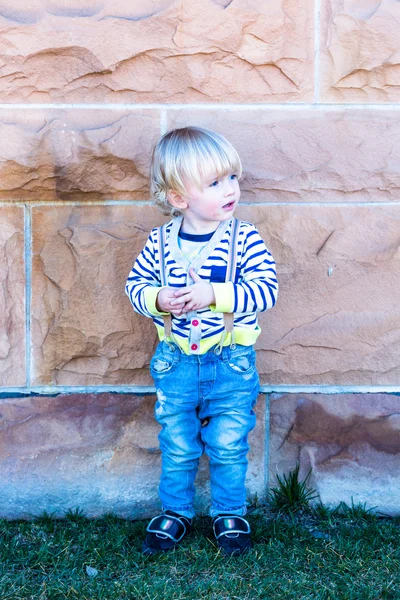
x=194 y=346
x=195 y=322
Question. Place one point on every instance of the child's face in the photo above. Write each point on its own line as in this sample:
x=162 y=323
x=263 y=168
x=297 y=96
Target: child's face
x=203 y=210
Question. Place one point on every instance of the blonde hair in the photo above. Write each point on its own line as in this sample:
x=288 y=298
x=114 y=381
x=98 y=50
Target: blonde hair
x=192 y=154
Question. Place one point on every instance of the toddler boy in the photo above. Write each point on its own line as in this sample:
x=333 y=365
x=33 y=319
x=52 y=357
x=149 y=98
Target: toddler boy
x=203 y=278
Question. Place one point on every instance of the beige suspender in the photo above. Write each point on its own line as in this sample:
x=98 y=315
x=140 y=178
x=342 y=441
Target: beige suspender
x=161 y=254
x=231 y=276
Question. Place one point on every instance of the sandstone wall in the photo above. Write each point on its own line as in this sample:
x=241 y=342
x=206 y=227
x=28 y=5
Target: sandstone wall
x=309 y=93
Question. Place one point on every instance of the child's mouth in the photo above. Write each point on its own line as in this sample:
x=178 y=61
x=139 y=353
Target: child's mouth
x=229 y=206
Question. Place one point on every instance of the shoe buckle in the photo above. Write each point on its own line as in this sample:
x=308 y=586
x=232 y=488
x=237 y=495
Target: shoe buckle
x=226 y=524
x=161 y=525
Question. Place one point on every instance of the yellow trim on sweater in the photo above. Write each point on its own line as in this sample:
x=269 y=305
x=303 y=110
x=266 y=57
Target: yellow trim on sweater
x=243 y=337
x=224 y=297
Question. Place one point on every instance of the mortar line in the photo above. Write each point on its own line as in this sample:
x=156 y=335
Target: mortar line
x=28 y=290
x=142 y=389
x=148 y=203
x=288 y=106
x=266 y=445
x=317 y=49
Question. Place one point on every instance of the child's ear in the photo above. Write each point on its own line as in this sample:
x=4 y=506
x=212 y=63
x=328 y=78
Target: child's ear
x=176 y=199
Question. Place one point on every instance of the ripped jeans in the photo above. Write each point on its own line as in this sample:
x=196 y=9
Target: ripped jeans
x=218 y=392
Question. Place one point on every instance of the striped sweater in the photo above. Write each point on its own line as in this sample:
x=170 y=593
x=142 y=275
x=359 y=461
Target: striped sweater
x=254 y=289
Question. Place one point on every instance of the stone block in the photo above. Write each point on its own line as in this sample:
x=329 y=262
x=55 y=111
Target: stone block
x=96 y=452
x=12 y=297
x=76 y=154
x=288 y=156
x=163 y=51
x=360 y=52
x=351 y=443
x=336 y=321
x=84 y=330
x=309 y=156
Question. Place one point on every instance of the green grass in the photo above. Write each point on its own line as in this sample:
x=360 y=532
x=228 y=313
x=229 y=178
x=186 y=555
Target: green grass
x=348 y=553
x=291 y=494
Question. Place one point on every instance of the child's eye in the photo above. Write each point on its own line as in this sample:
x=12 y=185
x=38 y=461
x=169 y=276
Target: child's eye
x=214 y=184
x=233 y=176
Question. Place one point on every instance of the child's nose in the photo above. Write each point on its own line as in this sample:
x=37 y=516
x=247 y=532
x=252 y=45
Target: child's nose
x=229 y=189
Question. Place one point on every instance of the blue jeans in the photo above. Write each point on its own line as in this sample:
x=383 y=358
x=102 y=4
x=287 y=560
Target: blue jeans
x=222 y=389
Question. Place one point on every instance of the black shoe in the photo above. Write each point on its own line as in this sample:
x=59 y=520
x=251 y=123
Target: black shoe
x=165 y=532
x=232 y=534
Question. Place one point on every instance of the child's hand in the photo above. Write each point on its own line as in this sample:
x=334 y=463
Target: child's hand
x=164 y=304
x=196 y=296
